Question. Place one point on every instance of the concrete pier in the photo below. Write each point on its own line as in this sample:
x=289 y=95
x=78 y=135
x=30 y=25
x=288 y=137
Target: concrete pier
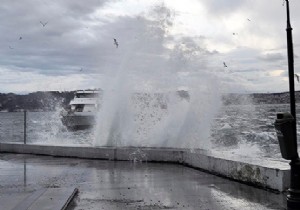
x=268 y=174
x=125 y=185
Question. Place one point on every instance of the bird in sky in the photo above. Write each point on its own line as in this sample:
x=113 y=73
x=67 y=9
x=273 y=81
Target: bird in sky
x=81 y=69
x=283 y=2
x=10 y=47
x=225 y=64
x=20 y=38
x=43 y=24
x=116 y=43
x=248 y=19
x=297 y=76
x=234 y=33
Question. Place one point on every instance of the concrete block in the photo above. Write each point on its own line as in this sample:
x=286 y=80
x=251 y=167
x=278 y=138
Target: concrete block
x=48 y=199
x=149 y=154
x=274 y=176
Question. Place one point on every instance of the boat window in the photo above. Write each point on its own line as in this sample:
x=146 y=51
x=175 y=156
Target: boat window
x=89 y=108
x=79 y=108
x=91 y=95
x=87 y=95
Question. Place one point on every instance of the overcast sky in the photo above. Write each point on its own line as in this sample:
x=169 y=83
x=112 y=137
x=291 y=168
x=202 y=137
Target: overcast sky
x=162 y=44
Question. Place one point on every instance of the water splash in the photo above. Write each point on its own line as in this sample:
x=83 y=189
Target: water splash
x=138 y=156
x=162 y=94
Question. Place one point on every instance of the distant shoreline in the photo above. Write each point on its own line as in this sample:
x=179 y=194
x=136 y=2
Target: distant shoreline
x=50 y=100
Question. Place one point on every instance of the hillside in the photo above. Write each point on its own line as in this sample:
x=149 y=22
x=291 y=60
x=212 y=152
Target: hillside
x=37 y=101
x=49 y=100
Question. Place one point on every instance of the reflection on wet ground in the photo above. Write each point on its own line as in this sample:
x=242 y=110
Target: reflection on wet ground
x=129 y=185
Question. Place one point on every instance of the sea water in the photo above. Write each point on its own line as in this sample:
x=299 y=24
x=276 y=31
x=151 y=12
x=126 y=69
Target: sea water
x=236 y=129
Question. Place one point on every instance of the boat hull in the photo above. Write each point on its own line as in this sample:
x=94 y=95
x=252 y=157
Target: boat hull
x=74 y=122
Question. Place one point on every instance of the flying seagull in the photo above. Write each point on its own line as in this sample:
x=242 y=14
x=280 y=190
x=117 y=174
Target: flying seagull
x=248 y=19
x=225 y=64
x=234 y=33
x=10 y=47
x=43 y=24
x=297 y=76
x=20 y=38
x=116 y=43
x=81 y=69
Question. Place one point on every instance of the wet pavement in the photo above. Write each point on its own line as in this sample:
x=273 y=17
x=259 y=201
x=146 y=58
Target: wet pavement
x=127 y=185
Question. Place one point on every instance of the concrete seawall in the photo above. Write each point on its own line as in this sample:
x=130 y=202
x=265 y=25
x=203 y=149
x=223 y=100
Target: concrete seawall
x=264 y=173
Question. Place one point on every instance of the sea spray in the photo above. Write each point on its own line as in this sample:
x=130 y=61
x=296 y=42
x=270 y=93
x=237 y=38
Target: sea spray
x=142 y=105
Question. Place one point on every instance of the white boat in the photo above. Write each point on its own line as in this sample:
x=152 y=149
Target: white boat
x=82 y=110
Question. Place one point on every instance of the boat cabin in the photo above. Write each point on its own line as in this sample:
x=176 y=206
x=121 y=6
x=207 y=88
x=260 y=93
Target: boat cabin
x=86 y=101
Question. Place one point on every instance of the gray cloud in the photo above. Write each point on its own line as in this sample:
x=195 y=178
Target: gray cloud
x=248 y=70
x=271 y=57
x=57 y=48
x=75 y=37
x=223 y=7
